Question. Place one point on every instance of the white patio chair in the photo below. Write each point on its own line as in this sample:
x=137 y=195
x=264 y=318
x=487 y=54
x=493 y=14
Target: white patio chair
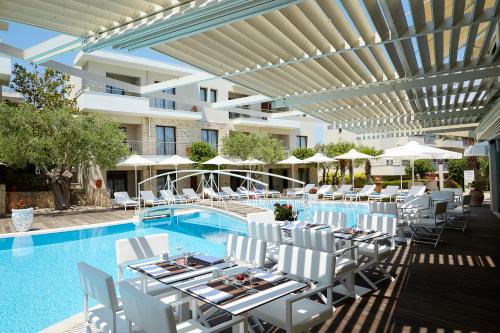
x=99 y=286
x=414 y=191
x=298 y=312
x=244 y=250
x=232 y=194
x=324 y=189
x=344 y=267
x=190 y=195
x=363 y=193
x=151 y=315
x=341 y=192
x=148 y=198
x=145 y=248
x=270 y=233
x=337 y=220
x=171 y=198
x=430 y=229
x=459 y=216
x=373 y=253
x=123 y=199
x=448 y=196
x=387 y=193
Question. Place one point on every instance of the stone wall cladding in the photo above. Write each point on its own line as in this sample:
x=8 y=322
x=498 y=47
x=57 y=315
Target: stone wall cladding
x=42 y=199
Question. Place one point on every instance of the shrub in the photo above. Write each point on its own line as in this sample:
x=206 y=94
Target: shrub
x=201 y=152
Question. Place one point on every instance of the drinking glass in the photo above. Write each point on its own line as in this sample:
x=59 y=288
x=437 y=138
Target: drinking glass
x=251 y=271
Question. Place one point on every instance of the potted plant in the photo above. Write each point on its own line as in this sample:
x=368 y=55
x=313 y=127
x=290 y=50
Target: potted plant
x=476 y=192
x=314 y=190
x=98 y=183
x=22 y=215
x=284 y=212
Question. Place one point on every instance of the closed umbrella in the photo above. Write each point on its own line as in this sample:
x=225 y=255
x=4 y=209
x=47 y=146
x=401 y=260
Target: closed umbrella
x=353 y=155
x=432 y=152
x=319 y=158
x=135 y=161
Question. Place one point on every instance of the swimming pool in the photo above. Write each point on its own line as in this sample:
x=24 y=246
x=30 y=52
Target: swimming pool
x=352 y=210
x=39 y=283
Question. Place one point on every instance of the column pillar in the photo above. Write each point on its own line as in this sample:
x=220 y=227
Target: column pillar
x=494 y=161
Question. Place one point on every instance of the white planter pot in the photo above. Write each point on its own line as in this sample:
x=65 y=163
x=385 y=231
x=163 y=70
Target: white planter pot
x=22 y=219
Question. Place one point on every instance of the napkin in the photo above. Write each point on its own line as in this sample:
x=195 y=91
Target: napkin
x=211 y=294
x=209 y=259
x=269 y=277
x=154 y=270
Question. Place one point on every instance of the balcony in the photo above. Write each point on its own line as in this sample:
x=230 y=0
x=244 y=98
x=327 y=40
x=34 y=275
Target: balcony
x=5 y=64
x=117 y=104
x=269 y=123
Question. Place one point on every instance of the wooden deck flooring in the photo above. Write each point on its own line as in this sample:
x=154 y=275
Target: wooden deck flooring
x=452 y=288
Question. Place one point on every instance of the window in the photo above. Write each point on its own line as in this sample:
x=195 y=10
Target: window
x=162 y=103
x=301 y=141
x=213 y=95
x=203 y=94
x=165 y=140
x=209 y=136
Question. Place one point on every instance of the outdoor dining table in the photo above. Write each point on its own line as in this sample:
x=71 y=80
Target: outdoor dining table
x=201 y=276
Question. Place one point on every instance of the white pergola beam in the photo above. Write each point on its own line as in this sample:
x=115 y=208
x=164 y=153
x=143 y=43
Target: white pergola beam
x=181 y=81
x=249 y=100
x=51 y=48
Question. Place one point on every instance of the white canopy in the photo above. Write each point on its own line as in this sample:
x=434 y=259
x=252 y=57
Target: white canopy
x=403 y=154
x=478 y=149
x=291 y=160
x=135 y=161
x=318 y=158
x=176 y=160
x=251 y=161
x=218 y=160
x=353 y=154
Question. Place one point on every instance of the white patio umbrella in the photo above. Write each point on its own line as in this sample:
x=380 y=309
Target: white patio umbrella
x=413 y=147
x=353 y=155
x=175 y=160
x=218 y=160
x=403 y=155
x=135 y=161
x=319 y=158
x=292 y=160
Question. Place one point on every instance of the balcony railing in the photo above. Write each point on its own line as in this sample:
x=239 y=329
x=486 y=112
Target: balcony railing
x=160 y=148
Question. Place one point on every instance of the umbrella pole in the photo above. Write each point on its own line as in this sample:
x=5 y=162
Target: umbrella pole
x=412 y=172
x=136 y=184
x=317 y=170
x=352 y=175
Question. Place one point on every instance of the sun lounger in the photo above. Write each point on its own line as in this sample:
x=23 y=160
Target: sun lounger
x=172 y=198
x=300 y=192
x=339 y=193
x=123 y=199
x=232 y=194
x=364 y=193
x=414 y=191
x=190 y=195
x=214 y=195
x=387 y=193
x=324 y=189
x=148 y=198
x=246 y=193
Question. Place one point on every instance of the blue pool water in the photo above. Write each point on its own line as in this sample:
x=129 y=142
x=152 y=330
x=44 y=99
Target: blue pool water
x=352 y=210
x=39 y=283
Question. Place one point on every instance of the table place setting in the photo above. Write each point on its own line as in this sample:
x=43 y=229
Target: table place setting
x=356 y=234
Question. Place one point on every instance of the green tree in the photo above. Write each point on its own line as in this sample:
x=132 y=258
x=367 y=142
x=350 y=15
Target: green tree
x=303 y=153
x=456 y=170
x=260 y=146
x=201 y=152
x=422 y=167
x=47 y=90
x=58 y=141
x=368 y=165
x=335 y=149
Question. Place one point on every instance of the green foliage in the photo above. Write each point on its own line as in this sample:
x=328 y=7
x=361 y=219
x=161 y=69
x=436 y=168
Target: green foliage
x=260 y=146
x=47 y=90
x=335 y=149
x=283 y=212
x=303 y=153
x=484 y=169
x=422 y=167
x=359 y=180
x=201 y=152
x=456 y=170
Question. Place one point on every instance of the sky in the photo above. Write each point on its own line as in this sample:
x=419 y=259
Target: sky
x=23 y=36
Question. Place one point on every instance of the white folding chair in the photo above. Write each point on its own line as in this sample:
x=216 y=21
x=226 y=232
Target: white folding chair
x=298 y=312
x=151 y=315
x=244 y=250
x=334 y=219
x=373 y=253
x=136 y=249
x=270 y=233
x=458 y=217
x=430 y=229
